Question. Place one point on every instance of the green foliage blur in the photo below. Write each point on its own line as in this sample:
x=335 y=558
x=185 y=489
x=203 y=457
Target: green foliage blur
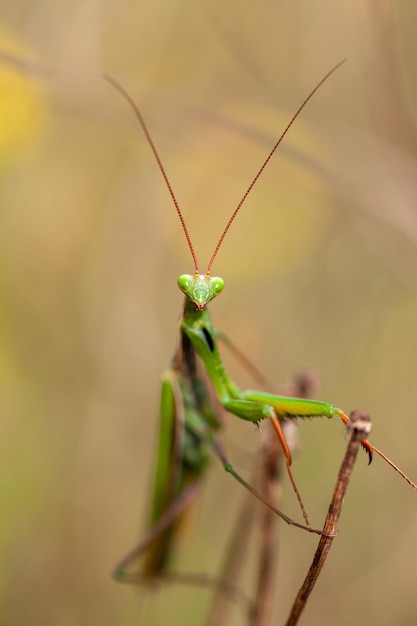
x=320 y=272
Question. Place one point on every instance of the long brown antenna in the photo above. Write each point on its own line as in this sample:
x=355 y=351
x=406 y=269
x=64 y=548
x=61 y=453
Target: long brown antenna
x=138 y=114
x=264 y=164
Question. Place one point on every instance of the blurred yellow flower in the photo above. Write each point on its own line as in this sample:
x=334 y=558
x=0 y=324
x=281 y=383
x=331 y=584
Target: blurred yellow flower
x=23 y=103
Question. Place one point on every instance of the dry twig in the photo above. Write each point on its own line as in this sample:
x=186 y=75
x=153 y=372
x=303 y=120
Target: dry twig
x=360 y=426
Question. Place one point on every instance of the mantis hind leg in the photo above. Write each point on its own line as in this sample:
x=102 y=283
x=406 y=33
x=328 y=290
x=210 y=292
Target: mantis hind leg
x=221 y=454
x=171 y=514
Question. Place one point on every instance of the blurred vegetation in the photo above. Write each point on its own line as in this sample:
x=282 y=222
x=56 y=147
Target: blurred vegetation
x=320 y=270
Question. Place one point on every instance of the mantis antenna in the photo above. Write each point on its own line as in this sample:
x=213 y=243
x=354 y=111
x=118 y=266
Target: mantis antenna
x=264 y=164
x=138 y=114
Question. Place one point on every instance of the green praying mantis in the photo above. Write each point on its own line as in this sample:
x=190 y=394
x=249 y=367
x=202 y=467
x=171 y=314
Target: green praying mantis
x=191 y=413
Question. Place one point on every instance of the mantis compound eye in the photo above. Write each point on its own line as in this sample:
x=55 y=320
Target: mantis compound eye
x=217 y=285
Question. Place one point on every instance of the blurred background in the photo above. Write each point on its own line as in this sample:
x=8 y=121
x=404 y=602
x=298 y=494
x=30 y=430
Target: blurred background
x=320 y=272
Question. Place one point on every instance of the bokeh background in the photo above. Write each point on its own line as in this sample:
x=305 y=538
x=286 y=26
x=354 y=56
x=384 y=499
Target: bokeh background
x=320 y=271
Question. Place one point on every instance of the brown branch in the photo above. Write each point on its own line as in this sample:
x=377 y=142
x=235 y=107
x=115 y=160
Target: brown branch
x=360 y=426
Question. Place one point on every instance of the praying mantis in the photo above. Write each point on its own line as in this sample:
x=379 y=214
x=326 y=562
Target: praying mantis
x=197 y=391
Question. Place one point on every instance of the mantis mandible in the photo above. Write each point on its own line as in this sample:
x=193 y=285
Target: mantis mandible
x=189 y=418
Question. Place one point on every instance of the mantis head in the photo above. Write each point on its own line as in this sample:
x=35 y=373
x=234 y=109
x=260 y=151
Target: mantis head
x=200 y=288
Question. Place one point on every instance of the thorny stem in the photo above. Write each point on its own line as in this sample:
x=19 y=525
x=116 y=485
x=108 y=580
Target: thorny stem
x=360 y=426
